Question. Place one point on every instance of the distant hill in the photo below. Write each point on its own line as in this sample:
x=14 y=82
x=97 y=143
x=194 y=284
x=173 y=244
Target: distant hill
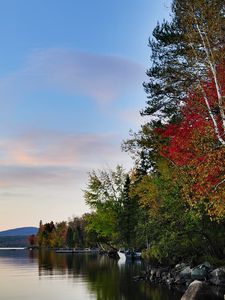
x=22 y=231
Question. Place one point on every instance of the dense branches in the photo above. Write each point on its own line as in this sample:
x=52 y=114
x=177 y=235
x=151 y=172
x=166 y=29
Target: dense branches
x=185 y=53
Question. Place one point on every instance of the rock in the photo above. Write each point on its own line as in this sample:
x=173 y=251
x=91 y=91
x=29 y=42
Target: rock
x=186 y=272
x=207 y=264
x=198 y=290
x=188 y=282
x=183 y=276
x=201 y=272
x=164 y=276
x=158 y=273
x=153 y=272
x=170 y=281
x=217 y=276
x=180 y=267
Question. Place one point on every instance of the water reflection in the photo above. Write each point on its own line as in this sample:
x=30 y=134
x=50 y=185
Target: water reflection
x=106 y=278
x=99 y=277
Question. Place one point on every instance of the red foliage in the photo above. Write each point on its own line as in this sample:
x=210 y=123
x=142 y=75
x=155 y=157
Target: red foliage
x=183 y=137
x=192 y=143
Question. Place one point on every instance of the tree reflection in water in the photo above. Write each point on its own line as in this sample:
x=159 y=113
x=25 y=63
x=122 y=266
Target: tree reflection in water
x=105 y=278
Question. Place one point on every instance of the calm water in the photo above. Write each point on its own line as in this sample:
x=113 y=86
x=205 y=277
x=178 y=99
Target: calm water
x=33 y=275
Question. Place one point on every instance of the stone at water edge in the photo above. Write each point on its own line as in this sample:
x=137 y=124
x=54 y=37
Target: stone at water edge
x=199 y=290
x=217 y=276
x=201 y=272
x=183 y=276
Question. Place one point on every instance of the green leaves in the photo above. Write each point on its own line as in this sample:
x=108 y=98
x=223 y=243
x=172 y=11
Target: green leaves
x=104 y=194
x=104 y=186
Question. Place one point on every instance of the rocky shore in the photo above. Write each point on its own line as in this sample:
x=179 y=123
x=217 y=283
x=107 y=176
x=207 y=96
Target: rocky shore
x=199 y=282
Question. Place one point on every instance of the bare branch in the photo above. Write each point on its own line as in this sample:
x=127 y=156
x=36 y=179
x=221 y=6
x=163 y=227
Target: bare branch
x=218 y=184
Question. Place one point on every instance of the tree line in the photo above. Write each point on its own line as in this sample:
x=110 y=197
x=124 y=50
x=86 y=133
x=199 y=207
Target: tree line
x=71 y=234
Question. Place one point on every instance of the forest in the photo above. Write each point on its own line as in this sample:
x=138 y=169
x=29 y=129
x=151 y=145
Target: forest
x=171 y=204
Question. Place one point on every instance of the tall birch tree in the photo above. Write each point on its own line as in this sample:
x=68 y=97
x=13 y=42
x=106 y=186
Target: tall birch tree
x=185 y=53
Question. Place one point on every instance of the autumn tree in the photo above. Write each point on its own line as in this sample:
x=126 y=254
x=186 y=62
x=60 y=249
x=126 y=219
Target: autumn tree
x=193 y=146
x=59 y=235
x=77 y=232
x=186 y=52
x=46 y=234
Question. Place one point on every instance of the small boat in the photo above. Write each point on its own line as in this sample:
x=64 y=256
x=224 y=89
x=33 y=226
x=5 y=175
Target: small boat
x=132 y=255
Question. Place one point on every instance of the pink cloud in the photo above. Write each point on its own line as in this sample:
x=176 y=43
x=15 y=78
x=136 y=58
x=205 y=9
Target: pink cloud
x=54 y=157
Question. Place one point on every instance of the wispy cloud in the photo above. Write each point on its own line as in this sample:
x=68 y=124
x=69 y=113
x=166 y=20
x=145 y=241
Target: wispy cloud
x=56 y=157
x=101 y=77
x=24 y=176
x=40 y=148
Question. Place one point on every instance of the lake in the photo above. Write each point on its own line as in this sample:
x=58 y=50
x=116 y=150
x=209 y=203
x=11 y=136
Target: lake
x=45 y=275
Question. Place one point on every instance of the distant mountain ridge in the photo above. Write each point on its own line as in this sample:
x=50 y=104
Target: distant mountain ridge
x=21 y=231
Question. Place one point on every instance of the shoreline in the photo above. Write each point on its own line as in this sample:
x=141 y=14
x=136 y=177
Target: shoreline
x=203 y=279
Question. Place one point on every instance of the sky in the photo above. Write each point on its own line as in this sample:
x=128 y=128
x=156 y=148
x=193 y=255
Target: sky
x=71 y=74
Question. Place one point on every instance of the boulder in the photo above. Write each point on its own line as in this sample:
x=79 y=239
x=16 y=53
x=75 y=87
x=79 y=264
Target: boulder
x=217 y=276
x=201 y=272
x=183 y=276
x=170 y=281
x=158 y=273
x=164 y=276
x=199 y=290
x=208 y=265
x=180 y=267
x=153 y=274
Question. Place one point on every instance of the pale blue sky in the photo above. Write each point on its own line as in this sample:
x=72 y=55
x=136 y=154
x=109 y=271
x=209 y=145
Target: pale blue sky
x=71 y=74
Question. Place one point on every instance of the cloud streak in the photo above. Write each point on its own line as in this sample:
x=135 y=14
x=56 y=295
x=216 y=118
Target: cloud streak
x=101 y=77
x=55 y=157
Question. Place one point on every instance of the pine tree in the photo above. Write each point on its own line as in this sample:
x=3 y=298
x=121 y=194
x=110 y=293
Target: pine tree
x=128 y=216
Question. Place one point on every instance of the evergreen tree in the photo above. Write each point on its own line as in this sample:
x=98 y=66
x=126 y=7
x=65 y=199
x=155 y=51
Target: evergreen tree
x=128 y=216
x=69 y=237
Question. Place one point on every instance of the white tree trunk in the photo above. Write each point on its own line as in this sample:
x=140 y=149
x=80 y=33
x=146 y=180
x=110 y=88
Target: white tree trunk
x=213 y=70
x=212 y=66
